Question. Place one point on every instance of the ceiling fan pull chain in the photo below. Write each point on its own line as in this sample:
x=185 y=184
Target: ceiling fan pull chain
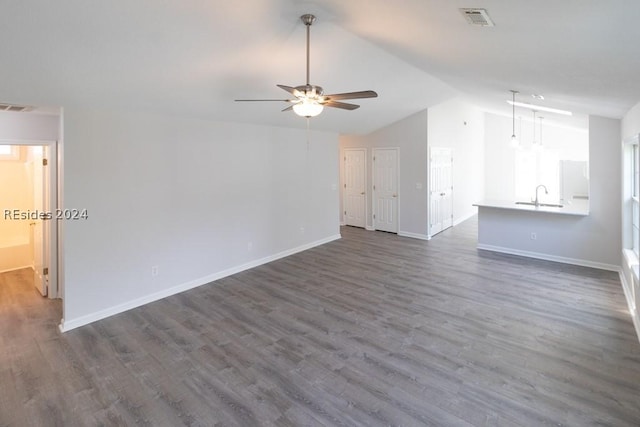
x=308 y=133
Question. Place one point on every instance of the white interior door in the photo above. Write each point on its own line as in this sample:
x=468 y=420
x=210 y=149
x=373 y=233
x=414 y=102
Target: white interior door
x=355 y=187
x=440 y=189
x=38 y=225
x=385 y=189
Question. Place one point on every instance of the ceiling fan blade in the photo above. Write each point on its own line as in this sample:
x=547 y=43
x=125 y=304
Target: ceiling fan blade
x=289 y=108
x=292 y=90
x=352 y=95
x=342 y=105
x=268 y=100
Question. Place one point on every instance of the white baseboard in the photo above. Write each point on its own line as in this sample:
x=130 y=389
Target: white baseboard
x=16 y=268
x=369 y=228
x=546 y=257
x=414 y=235
x=67 y=325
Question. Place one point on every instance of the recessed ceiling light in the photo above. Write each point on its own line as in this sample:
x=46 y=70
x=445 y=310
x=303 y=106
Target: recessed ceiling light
x=536 y=96
x=540 y=108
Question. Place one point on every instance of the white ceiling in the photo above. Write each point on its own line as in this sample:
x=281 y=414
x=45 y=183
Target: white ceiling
x=194 y=57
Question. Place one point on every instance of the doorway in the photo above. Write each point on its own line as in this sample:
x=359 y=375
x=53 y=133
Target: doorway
x=355 y=179
x=440 y=189
x=29 y=216
x=385 y=189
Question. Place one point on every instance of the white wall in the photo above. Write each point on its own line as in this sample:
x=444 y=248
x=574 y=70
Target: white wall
x=189 y=196
x=410 y=135
x=455 y=124
x=459 y=125
x=571 y=143
x=29 y=126
x=631 y=122
x=591 y=240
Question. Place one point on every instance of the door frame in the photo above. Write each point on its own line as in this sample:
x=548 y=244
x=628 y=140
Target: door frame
x=55 y=202
x=344 y=182
x=373 y=180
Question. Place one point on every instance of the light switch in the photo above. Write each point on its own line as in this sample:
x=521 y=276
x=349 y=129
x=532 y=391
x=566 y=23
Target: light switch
x=418 y=186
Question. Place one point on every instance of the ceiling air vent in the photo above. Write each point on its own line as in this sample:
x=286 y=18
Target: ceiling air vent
x=478 y=17
x=15 y=108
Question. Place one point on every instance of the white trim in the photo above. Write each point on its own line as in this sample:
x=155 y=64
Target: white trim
x=414 y=235
x=67 y=325
x=342 y=224
x=546 y=257
x=16 y=268
x=369 y=228
x=55 y=191
x=628 y=297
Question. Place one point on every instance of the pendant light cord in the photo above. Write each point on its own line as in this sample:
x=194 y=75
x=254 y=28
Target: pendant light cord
x=513 y=115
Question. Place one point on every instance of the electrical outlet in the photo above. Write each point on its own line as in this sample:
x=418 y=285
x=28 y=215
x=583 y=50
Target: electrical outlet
x=250 y=246
x=154 y=271
x=301 y=230
x=534 y=236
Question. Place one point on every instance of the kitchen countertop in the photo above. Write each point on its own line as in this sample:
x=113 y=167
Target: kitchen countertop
x=573 y=207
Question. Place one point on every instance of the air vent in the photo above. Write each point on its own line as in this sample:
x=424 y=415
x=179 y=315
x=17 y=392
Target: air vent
x=15 y=108
x=478 y=17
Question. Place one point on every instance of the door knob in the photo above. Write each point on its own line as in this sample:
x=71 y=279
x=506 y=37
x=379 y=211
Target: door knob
x=362 y=194
x=395 y=195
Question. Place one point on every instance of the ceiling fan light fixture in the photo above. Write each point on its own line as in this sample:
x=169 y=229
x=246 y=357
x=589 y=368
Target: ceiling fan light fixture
x=308 y=108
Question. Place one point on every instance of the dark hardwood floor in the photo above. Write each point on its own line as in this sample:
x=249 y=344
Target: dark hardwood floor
x=373 y=329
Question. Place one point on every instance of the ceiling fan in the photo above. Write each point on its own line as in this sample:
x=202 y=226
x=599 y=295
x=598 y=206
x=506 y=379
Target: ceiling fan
x=309 y=100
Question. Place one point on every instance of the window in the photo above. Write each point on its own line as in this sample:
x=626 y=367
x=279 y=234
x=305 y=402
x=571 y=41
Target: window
x=635 y=197
x=9 y=152
x=534 y=167
x=631 y=199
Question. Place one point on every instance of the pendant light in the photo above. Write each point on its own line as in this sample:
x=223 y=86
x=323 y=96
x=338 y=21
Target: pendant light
x=514 y=139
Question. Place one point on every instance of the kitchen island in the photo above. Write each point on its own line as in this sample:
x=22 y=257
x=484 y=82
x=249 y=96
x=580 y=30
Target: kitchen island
x=563 y=234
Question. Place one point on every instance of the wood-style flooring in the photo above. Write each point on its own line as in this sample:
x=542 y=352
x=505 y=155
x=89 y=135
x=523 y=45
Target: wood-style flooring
x=373 y=329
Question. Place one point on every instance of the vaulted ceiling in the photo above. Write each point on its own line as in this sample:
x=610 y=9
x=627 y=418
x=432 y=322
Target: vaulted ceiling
x=194 y=57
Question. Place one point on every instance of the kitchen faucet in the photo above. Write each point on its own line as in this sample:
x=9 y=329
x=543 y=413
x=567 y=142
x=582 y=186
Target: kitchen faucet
x=537 y=202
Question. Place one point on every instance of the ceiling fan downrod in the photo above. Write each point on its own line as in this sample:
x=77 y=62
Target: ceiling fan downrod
x=308 y=20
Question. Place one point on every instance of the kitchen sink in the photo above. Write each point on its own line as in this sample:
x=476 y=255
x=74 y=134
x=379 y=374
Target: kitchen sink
x=546 y=205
